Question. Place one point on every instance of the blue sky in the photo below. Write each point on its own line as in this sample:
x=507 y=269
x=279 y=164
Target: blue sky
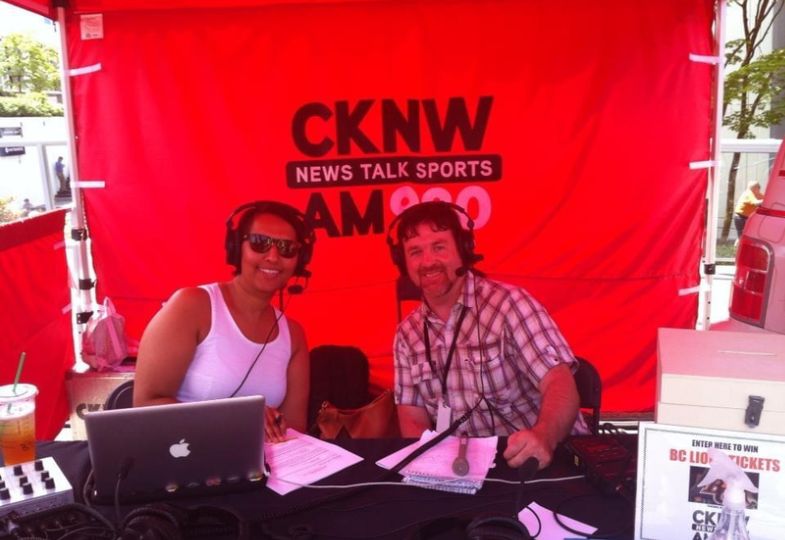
x=14 y=19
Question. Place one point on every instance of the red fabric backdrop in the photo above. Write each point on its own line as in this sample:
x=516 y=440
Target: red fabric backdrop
x=585 y=116
x=34 y=293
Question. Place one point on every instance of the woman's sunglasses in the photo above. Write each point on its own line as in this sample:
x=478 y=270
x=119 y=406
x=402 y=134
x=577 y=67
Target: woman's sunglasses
x=261 y=243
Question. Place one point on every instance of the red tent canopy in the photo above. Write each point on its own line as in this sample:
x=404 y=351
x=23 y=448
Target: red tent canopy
x=47 y=8
x=566 y=128
x=35 y=317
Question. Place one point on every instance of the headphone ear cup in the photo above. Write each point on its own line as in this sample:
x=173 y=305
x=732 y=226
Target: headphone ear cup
x=497 y=528
x=467 y=247
x=152 y=523
x=306 y=252
x=465 y=243
x=209 y=518
x=443 y=527
x=232 y=251
x=396 y=252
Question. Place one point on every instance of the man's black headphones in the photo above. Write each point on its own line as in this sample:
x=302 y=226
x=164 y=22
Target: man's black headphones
x=305 y=233
x=440 y=213
x=480 y=528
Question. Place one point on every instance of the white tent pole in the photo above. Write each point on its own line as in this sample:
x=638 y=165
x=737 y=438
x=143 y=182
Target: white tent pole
x=714 y=172
x=85 y=296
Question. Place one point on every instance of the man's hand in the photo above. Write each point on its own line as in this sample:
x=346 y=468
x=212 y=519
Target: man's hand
x=558 y=411
x=527 y=443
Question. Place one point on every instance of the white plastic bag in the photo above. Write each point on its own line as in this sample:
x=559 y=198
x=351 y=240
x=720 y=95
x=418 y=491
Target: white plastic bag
x=103 y=342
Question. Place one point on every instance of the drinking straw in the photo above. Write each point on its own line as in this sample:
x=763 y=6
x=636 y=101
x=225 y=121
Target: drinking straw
x=19 y=366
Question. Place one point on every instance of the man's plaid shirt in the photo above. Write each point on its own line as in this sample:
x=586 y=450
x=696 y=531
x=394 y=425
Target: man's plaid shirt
x=517 y=343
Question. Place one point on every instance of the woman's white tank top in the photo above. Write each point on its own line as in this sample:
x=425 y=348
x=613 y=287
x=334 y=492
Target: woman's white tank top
x=224 y=356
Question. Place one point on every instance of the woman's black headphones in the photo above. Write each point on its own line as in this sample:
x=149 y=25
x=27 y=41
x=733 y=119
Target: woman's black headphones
x=234 y=231
x=162 y=521
x=442 y=214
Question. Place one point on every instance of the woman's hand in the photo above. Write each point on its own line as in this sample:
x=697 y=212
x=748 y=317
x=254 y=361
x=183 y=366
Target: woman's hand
x=274 y=425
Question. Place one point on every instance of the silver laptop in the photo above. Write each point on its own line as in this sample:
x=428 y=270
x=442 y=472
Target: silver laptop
x=166 y=451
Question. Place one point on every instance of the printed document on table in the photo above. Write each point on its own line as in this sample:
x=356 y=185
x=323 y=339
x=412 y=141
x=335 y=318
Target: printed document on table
x=303 y=459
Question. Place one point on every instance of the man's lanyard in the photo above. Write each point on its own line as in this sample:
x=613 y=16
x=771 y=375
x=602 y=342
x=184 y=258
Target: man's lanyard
x=427 y=340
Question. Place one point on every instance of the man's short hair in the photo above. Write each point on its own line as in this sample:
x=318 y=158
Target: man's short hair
x=440 y=217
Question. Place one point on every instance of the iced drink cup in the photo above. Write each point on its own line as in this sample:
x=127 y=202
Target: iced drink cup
x=17 y=423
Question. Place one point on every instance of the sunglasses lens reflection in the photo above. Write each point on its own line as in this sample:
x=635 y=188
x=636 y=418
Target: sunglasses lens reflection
x=261 y=243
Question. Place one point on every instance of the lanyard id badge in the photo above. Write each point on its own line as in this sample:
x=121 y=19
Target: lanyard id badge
x=444 y=412
x=443 y=416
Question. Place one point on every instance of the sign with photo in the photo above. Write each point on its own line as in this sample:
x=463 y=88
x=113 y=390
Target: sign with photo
x=678 y=498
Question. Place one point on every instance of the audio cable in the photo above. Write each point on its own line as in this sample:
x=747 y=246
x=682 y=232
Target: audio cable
x=261 y=349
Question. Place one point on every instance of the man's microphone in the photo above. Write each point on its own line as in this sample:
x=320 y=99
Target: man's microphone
x=525 y=473
x=528 y=469
x=474 y=259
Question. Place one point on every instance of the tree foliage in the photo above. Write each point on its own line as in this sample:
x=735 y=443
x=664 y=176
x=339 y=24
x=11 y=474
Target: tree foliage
x=27 y=65
x=756 y=87
x=6 y=212
x=754 y=84
x=33 y=104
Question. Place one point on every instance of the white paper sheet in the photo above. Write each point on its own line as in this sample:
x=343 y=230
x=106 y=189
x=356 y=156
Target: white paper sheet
x=303 y=459
x=549 y=528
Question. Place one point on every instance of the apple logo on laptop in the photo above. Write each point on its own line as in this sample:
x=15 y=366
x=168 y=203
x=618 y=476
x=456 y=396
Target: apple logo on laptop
x=179 y=449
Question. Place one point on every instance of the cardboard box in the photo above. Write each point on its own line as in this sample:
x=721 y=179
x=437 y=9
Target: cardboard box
x=705 y=379
x=88 y=390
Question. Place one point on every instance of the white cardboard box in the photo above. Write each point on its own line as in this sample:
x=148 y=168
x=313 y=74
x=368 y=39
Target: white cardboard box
x=705 y=379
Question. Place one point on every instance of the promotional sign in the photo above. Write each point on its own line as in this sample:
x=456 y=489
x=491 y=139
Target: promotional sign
x=676 y=499
x=14 y=133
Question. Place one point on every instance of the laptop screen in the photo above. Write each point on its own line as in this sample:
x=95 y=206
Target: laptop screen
x=175 y=450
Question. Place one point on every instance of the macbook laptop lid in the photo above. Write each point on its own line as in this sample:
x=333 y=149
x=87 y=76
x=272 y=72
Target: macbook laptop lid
x=174 y=450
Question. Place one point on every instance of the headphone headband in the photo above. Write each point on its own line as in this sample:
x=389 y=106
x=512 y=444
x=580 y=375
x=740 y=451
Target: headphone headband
x=464 y=238
x=305 y=233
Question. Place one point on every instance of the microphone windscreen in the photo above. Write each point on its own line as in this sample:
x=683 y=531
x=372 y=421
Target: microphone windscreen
x=295 y=289
x=461 y=271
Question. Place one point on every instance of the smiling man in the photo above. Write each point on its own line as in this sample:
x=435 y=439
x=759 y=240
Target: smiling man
x=476 y=346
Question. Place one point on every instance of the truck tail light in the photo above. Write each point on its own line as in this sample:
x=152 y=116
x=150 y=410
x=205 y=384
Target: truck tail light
x=751 y=283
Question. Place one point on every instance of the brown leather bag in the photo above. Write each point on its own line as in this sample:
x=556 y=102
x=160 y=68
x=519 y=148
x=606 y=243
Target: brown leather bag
x=378 y=419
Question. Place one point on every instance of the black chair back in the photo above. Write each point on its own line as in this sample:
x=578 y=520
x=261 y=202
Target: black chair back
x=589 y=384
x=340 y=375
x=121 y=397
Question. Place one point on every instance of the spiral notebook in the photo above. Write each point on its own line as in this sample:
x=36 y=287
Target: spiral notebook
x=433 y=469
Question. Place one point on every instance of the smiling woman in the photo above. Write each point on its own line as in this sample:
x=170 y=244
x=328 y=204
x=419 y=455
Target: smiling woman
x=227 y=339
